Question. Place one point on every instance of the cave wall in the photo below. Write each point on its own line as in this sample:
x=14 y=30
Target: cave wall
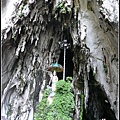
x=30 y=41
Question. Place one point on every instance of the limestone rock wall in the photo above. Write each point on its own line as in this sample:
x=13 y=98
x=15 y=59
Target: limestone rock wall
x=30 y=40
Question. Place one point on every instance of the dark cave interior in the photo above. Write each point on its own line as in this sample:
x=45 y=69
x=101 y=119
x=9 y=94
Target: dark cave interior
x=98 y=104
x=68 y=64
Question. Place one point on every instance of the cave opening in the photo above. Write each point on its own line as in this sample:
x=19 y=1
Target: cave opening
x=68 y=63
x=69 y=66
x=98 y=103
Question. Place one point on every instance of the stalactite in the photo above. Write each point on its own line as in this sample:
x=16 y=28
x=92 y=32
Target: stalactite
x=32 y=38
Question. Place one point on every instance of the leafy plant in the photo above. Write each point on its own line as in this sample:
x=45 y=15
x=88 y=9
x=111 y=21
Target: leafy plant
x=68 y=79
x=41 y=107
x=105 y=68
x=63 y=87
x=62 y=106
x=61 y=9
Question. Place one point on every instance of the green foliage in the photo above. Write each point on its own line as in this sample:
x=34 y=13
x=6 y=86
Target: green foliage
x=62 y=106
x=20 y=10
x=63 y=10
x=22 y=6
x=81 y=107
x=9 y=110
x=42 y=107
x=60 y=8
x=105 y=68
x=63 y=87
x=68 y=79
x=69 y=9
x=20 y=14
x=13 y=35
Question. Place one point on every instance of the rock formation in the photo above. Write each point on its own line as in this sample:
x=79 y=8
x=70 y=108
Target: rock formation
x=31 y=32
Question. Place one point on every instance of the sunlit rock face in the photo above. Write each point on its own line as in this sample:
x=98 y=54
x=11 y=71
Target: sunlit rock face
x=30 y=39
x=111 y=10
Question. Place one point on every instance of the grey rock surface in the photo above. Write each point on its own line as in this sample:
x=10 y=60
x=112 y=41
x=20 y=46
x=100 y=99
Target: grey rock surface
x=30 y=37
